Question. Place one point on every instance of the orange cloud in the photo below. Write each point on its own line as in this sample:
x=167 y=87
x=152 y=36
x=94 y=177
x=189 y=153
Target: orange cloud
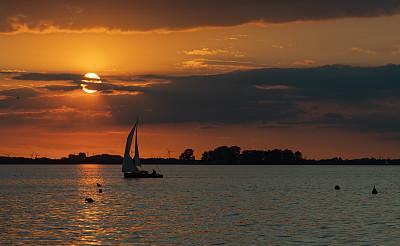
x=282 y=46
x=395 y=51
x=306 y=62
x=357 y=49
x=61 y=113
x=216 y=66
x=233 y=37
x=206 y=51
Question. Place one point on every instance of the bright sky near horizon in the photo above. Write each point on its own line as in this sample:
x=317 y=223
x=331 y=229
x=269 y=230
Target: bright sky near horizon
x=306 y=75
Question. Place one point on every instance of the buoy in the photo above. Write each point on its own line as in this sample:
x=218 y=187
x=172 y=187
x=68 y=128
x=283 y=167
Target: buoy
x=374 y=191
x=100 y=191
x=98 y=185
x=89 y=200
x=337 y=187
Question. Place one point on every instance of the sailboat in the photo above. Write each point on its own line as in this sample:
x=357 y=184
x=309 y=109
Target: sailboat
x=129 y=165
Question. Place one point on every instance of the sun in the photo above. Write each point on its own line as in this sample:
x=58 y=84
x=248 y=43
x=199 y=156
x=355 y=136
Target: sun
x=90 y=78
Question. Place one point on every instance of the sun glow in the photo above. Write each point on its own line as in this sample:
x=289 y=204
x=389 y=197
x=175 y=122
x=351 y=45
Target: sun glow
x=87 y=90
x=90 y=78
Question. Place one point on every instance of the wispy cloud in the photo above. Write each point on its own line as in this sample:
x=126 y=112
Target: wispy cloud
x=216 y=66
x=53 y=116
x=395 y=51
x=282 y=46
x=272 y=87
x=306 y=62
x=357 y=49
x=233 y=37
x=50 y=77
x=210 y=52
x=12 y=71
x=208 y=127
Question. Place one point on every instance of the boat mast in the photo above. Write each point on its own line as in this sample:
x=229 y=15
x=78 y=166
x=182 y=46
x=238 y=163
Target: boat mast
x=137 y=158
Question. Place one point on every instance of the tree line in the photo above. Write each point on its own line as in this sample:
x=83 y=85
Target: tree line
x=220 y=155
x=234 y=155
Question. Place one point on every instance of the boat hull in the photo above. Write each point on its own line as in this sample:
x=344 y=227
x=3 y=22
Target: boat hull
x=143 y=175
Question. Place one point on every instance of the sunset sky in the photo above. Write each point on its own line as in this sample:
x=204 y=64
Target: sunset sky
x=321 y=77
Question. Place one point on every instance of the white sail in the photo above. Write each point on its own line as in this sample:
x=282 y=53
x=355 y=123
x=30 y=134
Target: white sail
x=137 y=159
x=128 y=164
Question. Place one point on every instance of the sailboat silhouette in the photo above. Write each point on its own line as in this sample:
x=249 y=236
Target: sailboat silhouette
x=130 y=165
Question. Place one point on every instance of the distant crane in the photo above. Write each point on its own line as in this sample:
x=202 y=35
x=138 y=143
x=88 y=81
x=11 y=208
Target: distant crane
x=169 y=153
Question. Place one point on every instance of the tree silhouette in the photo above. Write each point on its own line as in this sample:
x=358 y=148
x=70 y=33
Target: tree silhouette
x=188 y=155
x=206 y=156
x=232 y=155
x=223 y=154
x=298 y=156
x=287 y=156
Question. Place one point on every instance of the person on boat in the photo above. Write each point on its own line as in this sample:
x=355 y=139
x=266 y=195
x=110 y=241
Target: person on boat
x=154 y=172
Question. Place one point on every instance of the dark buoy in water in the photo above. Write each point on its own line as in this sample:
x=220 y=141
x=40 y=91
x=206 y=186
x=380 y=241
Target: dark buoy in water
x=98 y=185
x=89 y=200
x=374 y=191
x=337 y=187
x=100 y=191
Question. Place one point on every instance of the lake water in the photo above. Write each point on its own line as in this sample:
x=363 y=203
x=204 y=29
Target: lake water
x=200 y=205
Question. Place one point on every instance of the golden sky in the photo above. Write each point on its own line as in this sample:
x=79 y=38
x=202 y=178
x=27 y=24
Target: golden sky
x=307 y=75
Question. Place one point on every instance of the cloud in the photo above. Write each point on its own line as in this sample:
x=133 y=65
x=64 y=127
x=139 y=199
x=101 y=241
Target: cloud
x=233 y=37
x=395 y=51
x=216 y=66
x=363 y=99
x=272 y=87
x=337 y=96
x=124 y=15
x=54 y=117
x=76 y=81
x=7 y=71
x=207 y=127
x=282 y=46
x=357 y=49
x=306 y=62
x=208 y=52
x=49 y=77
x=63 y=87
x=204 y=51
x=24 y=92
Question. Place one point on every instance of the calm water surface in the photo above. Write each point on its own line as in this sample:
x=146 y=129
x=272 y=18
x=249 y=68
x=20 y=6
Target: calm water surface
x=200 y=205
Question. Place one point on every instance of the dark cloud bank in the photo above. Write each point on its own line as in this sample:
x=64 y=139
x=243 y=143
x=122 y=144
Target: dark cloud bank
x=363 y=99
x=353 y=98
x=179 y=14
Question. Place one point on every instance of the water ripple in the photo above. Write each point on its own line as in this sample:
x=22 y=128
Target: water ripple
x=257 y=205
